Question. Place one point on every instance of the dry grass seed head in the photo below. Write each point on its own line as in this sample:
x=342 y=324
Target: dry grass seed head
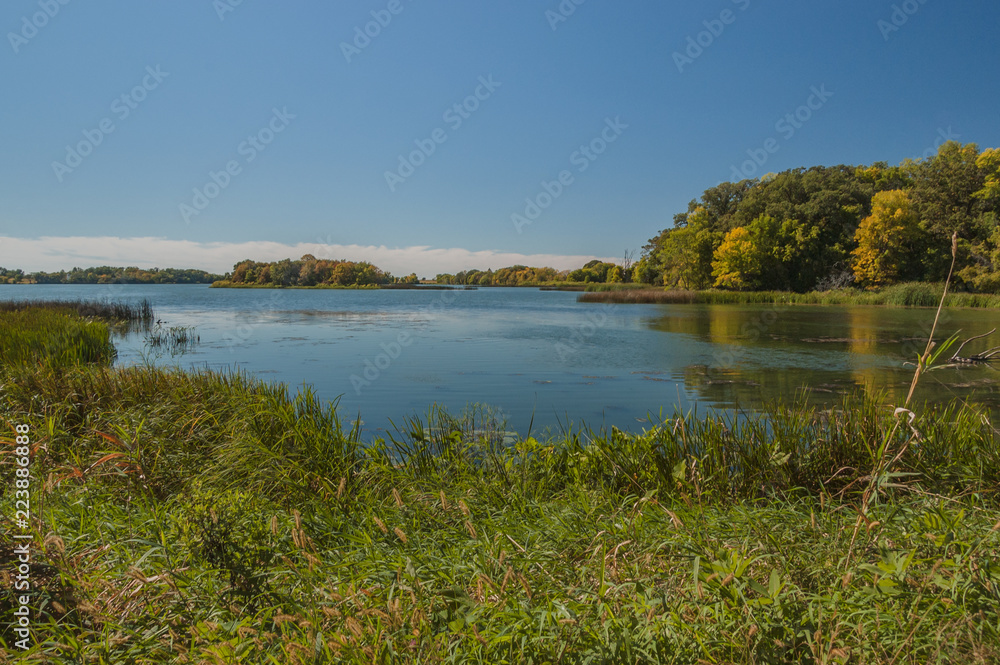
x=355 y=627
x=56 y=543
x=381 y=525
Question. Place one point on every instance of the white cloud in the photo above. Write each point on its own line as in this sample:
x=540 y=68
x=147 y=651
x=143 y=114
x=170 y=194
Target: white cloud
x=62 y=253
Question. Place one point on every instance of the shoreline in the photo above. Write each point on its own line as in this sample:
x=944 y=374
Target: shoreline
x=903 y=295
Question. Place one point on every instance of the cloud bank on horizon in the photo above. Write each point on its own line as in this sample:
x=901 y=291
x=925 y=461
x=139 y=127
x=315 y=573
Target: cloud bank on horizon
x=52 y=254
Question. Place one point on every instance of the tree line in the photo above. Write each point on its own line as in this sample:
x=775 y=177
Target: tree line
x=109 y=275
x=518 y=275
x=828 y=227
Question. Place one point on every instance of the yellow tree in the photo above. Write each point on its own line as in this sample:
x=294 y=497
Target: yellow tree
x=989 y=163
x=749 y=257
x=734 y=265
x=885 y=239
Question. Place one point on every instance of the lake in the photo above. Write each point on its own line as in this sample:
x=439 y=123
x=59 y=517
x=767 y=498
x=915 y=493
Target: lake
x=540 y=356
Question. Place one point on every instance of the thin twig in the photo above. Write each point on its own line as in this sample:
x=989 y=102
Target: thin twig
x=962 y=346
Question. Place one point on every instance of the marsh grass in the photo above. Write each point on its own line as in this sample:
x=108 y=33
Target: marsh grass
x=916 y=294
x=175 y=340
x=206 y=517
x=110 y=311
x=54 y=338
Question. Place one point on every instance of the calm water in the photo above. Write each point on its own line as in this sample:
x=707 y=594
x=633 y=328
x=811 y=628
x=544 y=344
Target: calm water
x=530 y=353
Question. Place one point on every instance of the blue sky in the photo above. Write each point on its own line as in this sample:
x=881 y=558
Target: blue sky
x=222 y=71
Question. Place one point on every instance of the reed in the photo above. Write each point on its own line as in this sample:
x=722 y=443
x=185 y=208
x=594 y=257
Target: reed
x=117 y=312
x=899 y=295
x=53 y=338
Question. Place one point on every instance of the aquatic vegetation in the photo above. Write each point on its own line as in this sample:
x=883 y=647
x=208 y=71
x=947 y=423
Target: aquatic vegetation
x=52 y=337
x=899 y=295
x=140 y=313
x=175 y=340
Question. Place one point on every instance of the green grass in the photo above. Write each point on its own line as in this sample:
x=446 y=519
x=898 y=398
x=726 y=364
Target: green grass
x=201 y=517
x=53 y=337
x=112 y=312
x=212 y=516
x=915 y=294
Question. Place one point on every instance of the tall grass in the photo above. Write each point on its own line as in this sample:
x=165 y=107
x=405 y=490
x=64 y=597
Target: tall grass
x=119 y=312
x=217 y=515
x=54 y=338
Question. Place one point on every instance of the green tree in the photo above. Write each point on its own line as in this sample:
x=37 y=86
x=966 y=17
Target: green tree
x=687 y=251
x=943 y=195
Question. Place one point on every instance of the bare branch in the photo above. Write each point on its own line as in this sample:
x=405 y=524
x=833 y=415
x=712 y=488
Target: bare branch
x=959 y=351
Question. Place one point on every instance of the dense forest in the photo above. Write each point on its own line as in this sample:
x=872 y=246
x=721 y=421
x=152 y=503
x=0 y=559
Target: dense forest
x=829 y=227
x=109 y=275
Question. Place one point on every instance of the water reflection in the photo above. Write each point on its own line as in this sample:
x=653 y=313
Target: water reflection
x=816 y=354
x=615 y=365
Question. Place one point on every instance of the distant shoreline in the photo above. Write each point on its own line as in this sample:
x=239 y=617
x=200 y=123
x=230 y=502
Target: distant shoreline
x=914 y=294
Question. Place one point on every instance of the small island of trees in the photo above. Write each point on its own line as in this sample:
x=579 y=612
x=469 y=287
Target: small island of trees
x=309 y=272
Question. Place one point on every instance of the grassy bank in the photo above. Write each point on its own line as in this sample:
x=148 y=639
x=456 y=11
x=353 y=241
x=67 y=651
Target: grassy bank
x=64 y=333
x=111 y=312
x=900 y=295
x=199 y=517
